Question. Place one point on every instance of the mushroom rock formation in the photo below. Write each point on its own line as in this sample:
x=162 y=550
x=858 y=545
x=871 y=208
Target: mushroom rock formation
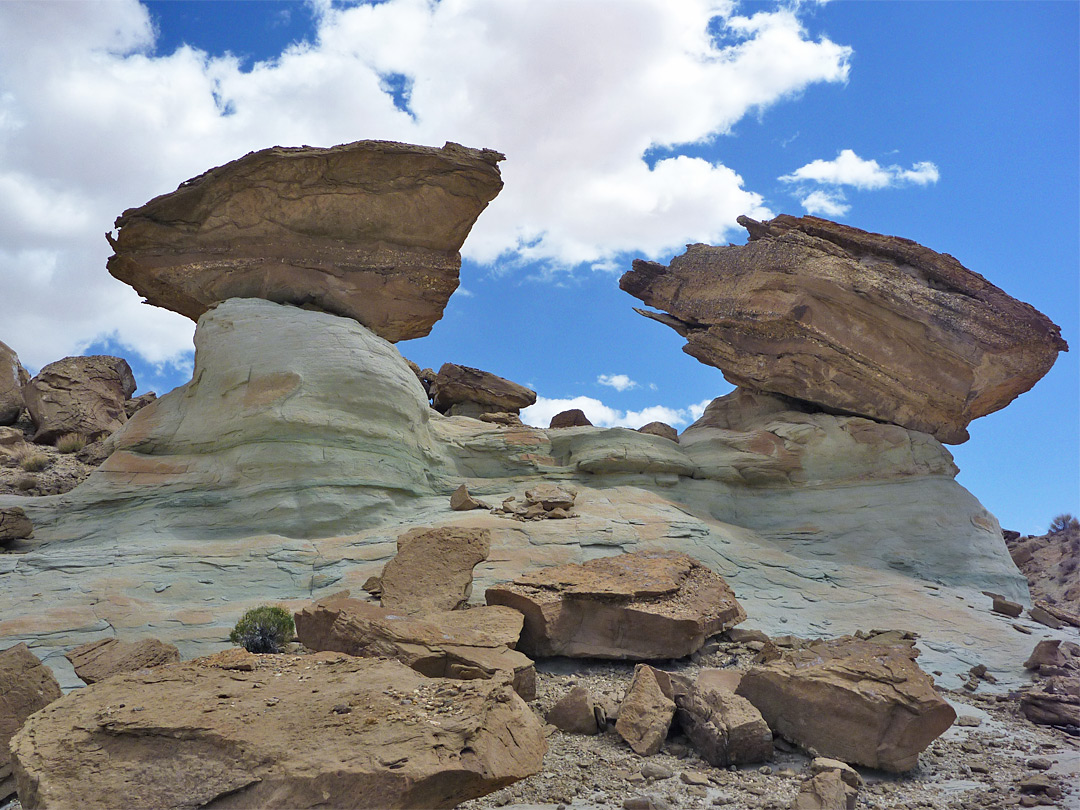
x=855 y=322
x=368 y=230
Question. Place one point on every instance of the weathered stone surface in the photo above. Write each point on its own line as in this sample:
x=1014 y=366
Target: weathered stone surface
x=1048 y=653
x=462 y=501
x=14 y=524
x=12 y=378
x=849 y=775
x=825 y=790
x=368 y=230
x=466 y=644
x=26 y=685
x=575 y=417
x=79 y=395
x=854 y=321
x=723 y=727
x=646 y=712
x=857 y=701
x=620 y=450
x=639 y=606
x=102 y=659
x=662 y=429
x=322 y=730
x=576 y=712
x=456 y=385
x=1054 y=702
x=433 y=569
x=138 y=403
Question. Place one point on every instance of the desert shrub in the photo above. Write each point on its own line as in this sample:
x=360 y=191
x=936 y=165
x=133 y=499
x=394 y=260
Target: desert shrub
x=1063 y=522
x=24 y=483
x=71 y=443
x=265 y=629
x=32 y=460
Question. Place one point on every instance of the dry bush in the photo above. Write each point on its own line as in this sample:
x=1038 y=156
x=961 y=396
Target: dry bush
x=31 y=459
x=25 y=482
x=71 y=443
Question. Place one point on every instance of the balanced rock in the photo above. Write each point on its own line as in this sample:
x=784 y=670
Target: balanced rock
x=858 y=701
x=640 y=606
x=464 y=391
x=83 y=395
x=12 y=378
x=433 y=569
x=369 y=230
x=646 y=712
x=575 y=417
x=858 y=322
x=476 y=643
x=26 y=685
x=322 y=730
x=723 y=727
x=102 y=659
x=14 y=524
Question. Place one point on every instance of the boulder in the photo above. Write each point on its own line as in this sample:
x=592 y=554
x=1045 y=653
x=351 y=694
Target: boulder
x=662 y=429
x=466 y=644
x=575 y=417
x=638 y=606
x=102 y=659
x=646 y=712
x=1047 y=653
x=322 y=730
x=577 y=712
x=858 y=701
x=723 y=727
x=433 y=569
x=825 y=790
x=83 y=395
x=551 y=496
x=462 y=501
x=14 y=524
x=1054 y=702
x=26 y=685
x=484 y=392
x=853 y=321
x=12 y=378
x=367 y=230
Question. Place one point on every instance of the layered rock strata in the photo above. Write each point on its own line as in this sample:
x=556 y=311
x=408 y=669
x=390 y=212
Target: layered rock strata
x=369 y=230
x=639 y=606
x=856 y=322
x=323 y=730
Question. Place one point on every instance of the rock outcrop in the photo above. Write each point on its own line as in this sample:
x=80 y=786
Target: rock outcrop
x=863 y=702
x=640 y=606
x=102 y=659
x=369 y=230
x=464 y=391
x=12 y=378
x=853 y=321
x=84 y=395
x=433 y=569
x=575 y=417
x=476 y=643
x=322 y=730
x=26 y=685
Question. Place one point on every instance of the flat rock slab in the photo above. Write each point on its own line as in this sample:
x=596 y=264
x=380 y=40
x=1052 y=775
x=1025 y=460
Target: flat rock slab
x=433 y=569
x=84 y=395
x=859 y=322
x=476 y=643
x=99 y=660
x=323 y=730
x=857 y=701
x=369 y=230
x=26 y=685
x=639 y=606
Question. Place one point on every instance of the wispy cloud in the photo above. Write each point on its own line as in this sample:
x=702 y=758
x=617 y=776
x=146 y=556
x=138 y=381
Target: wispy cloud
x=848 y=169
x=620 y=382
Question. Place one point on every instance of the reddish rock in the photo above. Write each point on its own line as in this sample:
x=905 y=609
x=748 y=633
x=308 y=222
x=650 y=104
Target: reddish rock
x=815 y=310
x=575 y=417
x=646 y=712
x=433 y=569
x=98 y=660
x=577 y=713
x=857 y=701
x=26 y=685
x=641 y=606
x=323 y=730
x=662 y=429
x=84 y=395
x=369 y=230
x=486 y=392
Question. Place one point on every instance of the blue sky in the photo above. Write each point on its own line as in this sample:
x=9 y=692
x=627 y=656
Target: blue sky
x=630 y=129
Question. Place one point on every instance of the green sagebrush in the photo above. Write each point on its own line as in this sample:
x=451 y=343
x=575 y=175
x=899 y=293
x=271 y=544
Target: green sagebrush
x=265 y=629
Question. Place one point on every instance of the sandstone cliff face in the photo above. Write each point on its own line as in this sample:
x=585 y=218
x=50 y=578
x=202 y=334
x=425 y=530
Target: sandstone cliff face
x=304 y=447
x=856 y=322
x=370 y=230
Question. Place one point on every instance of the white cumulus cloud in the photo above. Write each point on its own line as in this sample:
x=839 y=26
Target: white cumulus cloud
x=601 y=415
x=620 y=382
x=93 y=122
x=828 y=203
x=848 y=169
